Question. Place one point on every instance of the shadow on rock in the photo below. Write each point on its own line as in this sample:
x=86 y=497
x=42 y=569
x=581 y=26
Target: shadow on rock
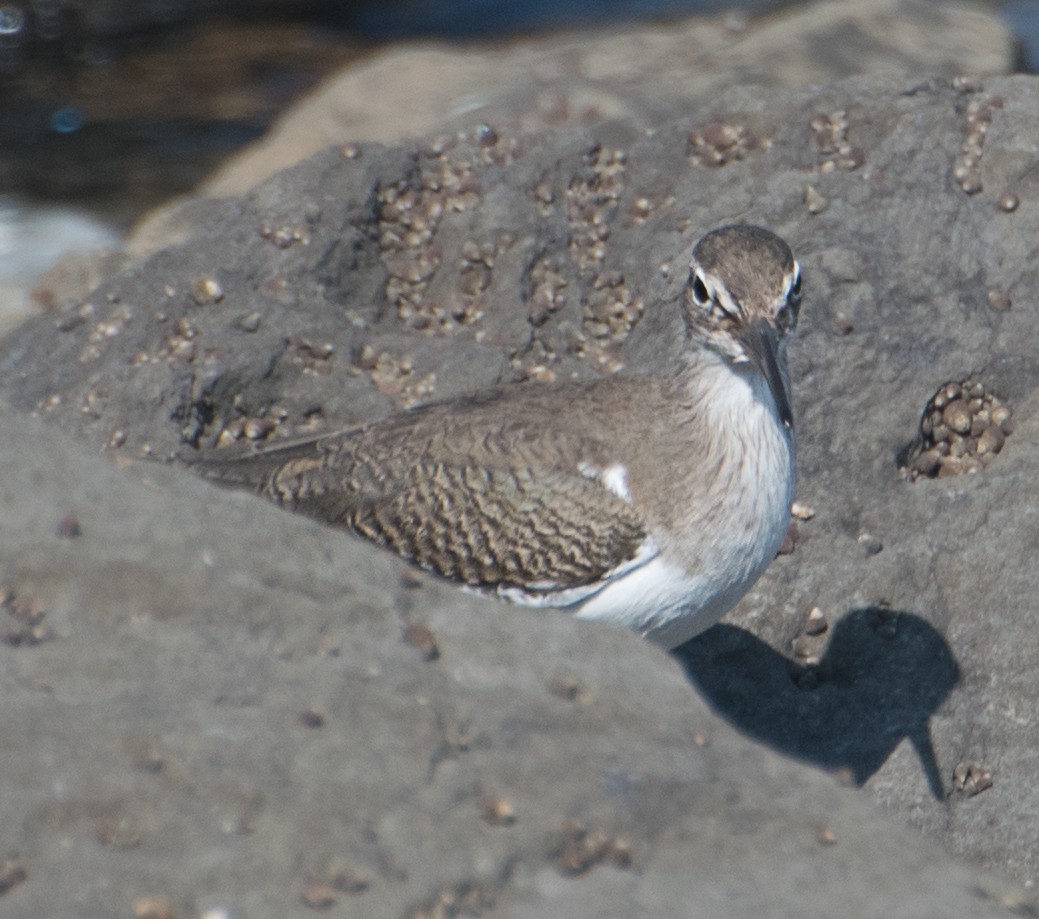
x=880 y=679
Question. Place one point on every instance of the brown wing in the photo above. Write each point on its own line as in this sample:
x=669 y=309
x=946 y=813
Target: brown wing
x=495 y=525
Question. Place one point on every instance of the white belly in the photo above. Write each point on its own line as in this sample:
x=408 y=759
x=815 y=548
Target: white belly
x=663 y=603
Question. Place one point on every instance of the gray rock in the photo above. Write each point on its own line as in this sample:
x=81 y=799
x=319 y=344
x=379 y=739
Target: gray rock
x=210 y=701
x=925 y=666
x=638 y=75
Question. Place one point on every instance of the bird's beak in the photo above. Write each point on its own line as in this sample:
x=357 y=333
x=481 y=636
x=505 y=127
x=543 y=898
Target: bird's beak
x=761 y=343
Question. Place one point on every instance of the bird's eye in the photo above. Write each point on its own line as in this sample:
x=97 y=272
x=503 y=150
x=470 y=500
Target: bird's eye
x=701 y=294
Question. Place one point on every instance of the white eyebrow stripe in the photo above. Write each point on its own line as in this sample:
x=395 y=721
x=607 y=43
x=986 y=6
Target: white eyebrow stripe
x=719 y=294
x=794 y=273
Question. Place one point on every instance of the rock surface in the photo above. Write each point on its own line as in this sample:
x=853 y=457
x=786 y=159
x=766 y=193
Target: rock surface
x=212 y=707
x=208 y=99
x=637 y=75
x=371 y=278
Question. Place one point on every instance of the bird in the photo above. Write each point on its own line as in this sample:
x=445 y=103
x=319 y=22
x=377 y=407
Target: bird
x=649 y=500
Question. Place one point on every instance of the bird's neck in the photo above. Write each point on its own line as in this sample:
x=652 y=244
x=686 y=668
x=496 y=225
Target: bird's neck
x=735 y=396
x=743 y=469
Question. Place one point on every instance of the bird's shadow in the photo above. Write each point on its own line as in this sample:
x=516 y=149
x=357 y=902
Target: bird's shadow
x=881 y=677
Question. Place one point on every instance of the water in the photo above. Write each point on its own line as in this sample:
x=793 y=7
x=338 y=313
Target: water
x=468 y=19
x=13 y=35
x=1022 y=18
x=32 y=238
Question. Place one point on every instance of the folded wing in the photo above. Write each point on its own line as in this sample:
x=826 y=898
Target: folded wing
x=546 y=537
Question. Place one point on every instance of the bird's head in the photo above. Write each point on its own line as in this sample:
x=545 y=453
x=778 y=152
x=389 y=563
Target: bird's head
x=742 y=299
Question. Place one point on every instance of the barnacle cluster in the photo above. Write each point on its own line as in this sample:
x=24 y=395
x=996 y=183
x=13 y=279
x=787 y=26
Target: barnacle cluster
x=610 y=311
x=962 y=428
x=718 y=143
x=830 y=133
x=967 y=170
x=409 y=214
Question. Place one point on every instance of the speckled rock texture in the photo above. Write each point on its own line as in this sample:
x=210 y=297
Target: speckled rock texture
x=616 y=72
x=214 y=708
x=214 y=701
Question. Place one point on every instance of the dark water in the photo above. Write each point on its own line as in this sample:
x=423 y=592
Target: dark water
x=119 y=115
x=1022 y=17
x=492 y=18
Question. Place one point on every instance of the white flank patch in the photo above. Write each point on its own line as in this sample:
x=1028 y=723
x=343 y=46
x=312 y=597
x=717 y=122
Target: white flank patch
x=614 y=477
